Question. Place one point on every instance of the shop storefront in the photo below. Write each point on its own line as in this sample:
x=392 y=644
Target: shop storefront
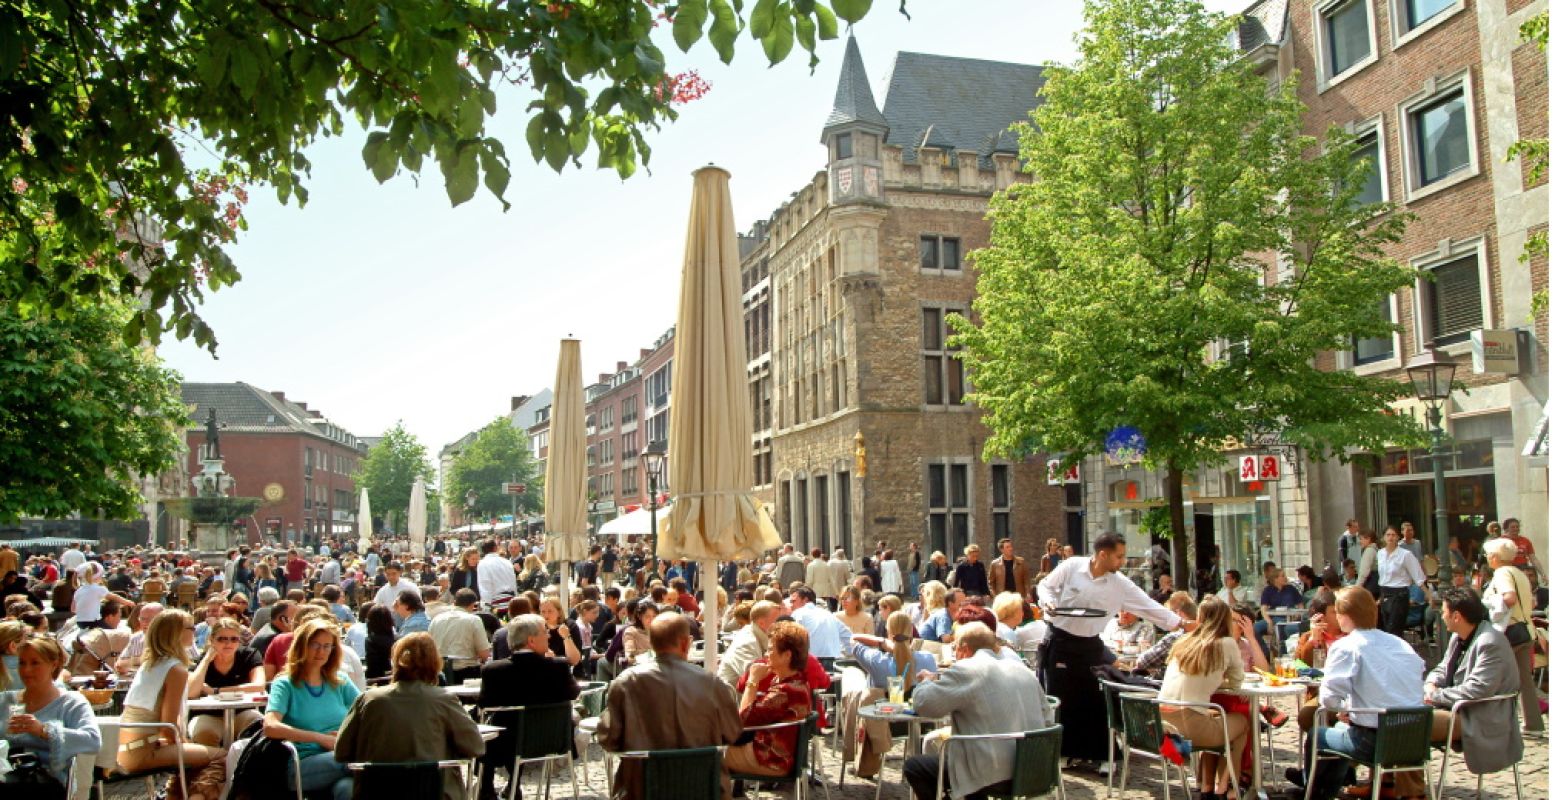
x=1399 y=489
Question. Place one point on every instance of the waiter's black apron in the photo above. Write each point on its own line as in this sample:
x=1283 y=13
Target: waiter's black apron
x=1066 y=669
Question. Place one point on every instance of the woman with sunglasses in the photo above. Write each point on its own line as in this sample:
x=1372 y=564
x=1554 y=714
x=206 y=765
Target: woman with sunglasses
x=308 y=703
x=227 y=665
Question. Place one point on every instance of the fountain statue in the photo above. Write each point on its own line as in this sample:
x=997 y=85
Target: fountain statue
x=214 y=513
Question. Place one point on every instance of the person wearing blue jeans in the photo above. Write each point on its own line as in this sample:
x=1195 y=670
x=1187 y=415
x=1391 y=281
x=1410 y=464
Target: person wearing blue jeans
x=1366 y=669
x=308 y=702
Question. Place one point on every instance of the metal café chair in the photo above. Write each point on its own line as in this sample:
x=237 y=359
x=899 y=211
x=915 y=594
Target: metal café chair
x=799 y=775
x=691 y=774
x=542 y=733
x=1403 y=744
x=404 y=778
x=1143 y=732
x=1110 y=692
x=114 y=775
x=590 y=704
x=1036 y=770
x=1510 y=698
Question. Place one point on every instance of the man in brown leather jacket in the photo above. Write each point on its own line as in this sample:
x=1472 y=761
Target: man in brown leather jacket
x=1007 y=566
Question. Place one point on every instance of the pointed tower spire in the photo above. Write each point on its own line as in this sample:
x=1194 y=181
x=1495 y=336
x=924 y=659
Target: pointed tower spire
x=855 y=103
x=854 y=134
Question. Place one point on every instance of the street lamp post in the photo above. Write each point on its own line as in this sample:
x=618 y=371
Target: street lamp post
x=470 y=498
x=653 y=463
x=1431 y=373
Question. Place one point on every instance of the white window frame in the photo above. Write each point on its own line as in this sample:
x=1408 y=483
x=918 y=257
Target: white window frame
x=1446 y=252
x=1436 y=89
x=1346 y=358
x=1376 y=126
x=1400 y=11
x=1320 y=12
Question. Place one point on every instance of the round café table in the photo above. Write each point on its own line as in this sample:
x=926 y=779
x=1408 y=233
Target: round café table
x=1255 y=691
x=228 y=709
x=912 y=747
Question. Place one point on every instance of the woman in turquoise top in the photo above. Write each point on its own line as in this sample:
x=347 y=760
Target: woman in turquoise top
x=307 y=704
x=892 y=657
x=52 y=723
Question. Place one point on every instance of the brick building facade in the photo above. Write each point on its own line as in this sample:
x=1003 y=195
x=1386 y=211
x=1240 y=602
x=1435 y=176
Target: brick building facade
x=298 y=461
x=862 y=431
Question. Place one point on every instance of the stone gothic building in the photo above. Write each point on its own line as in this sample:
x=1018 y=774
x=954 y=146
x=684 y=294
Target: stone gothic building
x=862 y=430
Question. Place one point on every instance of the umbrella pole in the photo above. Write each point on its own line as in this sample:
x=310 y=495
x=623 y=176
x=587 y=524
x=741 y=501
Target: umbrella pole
x=712 y=615
x=566 y=593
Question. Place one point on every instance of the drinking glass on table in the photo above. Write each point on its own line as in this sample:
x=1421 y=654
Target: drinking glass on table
x=894 y=691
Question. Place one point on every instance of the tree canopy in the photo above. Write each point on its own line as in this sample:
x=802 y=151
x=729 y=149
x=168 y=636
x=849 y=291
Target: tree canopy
x=390 y=470
x=82 y=416
x=499 y=454
x=131 y=132
x=1181 y=261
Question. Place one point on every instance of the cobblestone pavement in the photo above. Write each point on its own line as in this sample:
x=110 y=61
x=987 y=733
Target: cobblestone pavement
x=1144 y=782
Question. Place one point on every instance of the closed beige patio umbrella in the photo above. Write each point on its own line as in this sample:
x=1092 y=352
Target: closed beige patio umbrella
x=715 y=515
x=566 y=470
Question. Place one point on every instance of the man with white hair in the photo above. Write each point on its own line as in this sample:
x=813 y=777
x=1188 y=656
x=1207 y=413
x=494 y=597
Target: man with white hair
x=129 y=658
x=527 y=677
x=982 y=694
x=790 y=568
x=266 y=597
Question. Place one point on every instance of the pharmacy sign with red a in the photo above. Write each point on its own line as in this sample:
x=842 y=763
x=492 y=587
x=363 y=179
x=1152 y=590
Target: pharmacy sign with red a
x=1252 y=468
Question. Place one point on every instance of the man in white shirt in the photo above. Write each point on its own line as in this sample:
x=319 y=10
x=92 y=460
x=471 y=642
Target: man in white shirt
x=827 y=633
x=1235 y=594
x=494 y=575
x=1397 y=568
x=393 y=585
x=1366 y=668
x=329 y=575
x=461 y=637
x=70 y=560
x=1074 y=642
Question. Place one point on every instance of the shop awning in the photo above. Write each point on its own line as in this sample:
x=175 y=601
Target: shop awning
x=1538 y=444
x=50 y=541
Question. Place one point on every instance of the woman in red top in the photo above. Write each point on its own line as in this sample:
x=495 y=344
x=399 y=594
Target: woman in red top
x=786 y=698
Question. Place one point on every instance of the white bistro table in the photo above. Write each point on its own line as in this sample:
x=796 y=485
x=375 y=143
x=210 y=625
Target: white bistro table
x=914 y=744
x=1255 y=691
x=228 y=709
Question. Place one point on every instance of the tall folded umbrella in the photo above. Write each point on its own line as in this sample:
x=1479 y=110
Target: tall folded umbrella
x=715 y=515
x=566 y=469
x=418 y=518
x=364 y=523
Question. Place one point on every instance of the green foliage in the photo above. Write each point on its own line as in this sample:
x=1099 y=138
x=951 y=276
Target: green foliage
x=390 y=470
x=106 y=101
x=82 y=416
x=499 y=454
x=1163 y=167
x=1537 y=153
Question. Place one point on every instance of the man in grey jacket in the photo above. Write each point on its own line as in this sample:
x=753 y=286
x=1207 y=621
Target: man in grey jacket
x=1478 y=664
x=981 y=693
x=749 y=644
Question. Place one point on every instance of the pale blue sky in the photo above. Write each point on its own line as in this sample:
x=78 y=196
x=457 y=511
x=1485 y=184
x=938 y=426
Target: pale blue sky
x=378 y=303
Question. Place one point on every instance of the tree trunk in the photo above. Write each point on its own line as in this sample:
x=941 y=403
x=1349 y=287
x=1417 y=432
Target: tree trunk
x=1181 y=577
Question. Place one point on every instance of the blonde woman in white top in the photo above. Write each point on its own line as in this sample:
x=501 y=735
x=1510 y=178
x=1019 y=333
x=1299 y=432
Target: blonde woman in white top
x=158 y=694
x=1510 y=599
x=1202 y=662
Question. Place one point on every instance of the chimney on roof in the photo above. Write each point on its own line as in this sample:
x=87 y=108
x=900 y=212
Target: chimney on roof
x=620 y=366
x=302 y=405
x=642 y=353
x=315 y=415
x=279 y=396
x=604 y=377
x=515 y=402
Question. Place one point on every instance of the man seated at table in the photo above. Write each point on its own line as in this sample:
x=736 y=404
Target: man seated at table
x=981 y=693
x=1478 y=664
x=1128 y=630
x=1278 y=594
x=129 y=657
x=529 y=677
x=1367 y=668
x=749 y=643
x=666 y=704
x=98 y=648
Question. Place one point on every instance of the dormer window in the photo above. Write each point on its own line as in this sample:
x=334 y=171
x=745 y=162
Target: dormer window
x=844 y=145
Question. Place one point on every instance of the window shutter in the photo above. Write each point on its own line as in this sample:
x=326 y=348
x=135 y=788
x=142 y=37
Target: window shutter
x=1456 y=297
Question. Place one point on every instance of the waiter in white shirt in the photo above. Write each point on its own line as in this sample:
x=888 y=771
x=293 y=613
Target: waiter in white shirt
x=1074 y=644
x=1397 y=568
x=494 y=575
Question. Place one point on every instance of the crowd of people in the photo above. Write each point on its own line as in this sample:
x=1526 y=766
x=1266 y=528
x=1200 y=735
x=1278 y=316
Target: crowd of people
x=352 y=650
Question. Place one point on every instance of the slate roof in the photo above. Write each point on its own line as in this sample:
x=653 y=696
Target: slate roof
x=245 y=408
x=1263 y=23
x=958 y=104
x=855 y=102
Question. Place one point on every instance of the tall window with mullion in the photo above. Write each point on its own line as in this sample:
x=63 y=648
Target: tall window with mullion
x=942 y=376
x=1441 y=137
x=1453 y=303
x=939 y=252
x=1348 y=31
x=1000 y=474
x=950 y=508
